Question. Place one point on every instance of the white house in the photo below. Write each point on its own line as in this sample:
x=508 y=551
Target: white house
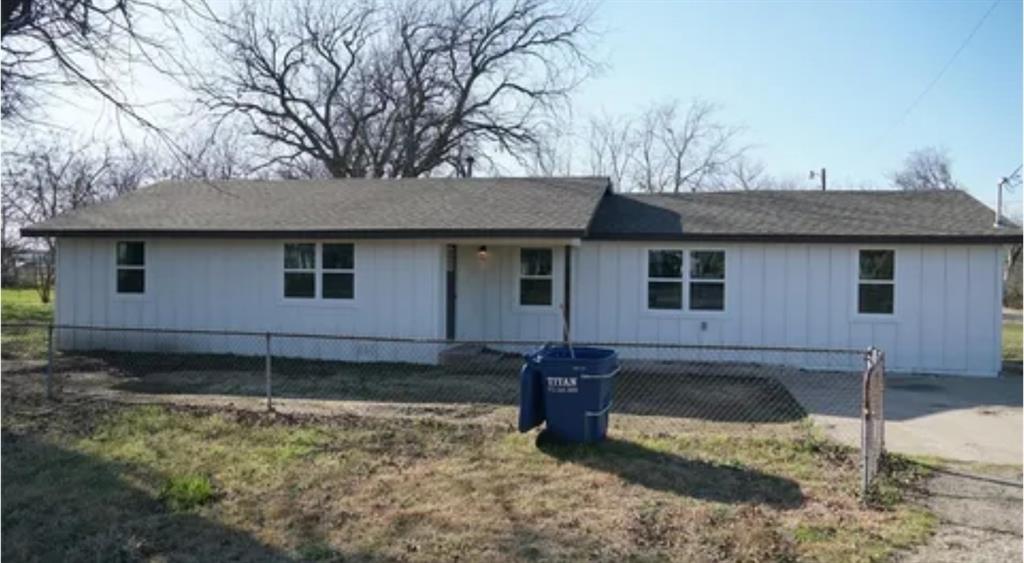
x=914 y=273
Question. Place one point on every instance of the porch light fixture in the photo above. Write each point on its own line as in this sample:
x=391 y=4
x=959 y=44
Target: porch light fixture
x=481 y=253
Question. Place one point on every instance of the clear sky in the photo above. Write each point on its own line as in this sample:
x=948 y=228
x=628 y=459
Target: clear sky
x=827 y=83
x=814 y=83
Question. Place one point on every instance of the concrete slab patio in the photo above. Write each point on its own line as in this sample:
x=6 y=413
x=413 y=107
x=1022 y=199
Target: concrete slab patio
x=960 y=418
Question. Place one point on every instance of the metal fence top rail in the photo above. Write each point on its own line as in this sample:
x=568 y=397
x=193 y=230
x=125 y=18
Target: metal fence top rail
x=415 y=340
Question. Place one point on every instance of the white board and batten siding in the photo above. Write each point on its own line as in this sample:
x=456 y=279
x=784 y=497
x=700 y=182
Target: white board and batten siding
x=237 y=285
x=487 y=302
x=947 y=317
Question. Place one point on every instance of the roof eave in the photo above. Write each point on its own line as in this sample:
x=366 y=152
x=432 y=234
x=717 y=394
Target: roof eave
x=1007 y=238
x=306 y=233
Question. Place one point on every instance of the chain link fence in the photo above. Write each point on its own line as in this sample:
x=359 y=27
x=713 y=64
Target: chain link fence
x=873 y=417
x=661 y=390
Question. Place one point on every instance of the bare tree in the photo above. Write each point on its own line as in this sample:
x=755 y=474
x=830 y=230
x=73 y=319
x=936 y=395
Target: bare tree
x=688 y=147
x=929 y=168
x=46 y=180
x=649 y=163
x=396 y=90
x=612 y=146
x=219 y=153
x=746 y=174
x=553 y=153
x=89 y=44
x=10 y=247
x=667 y=148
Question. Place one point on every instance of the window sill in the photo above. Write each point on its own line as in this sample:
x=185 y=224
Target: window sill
x=874 y=318
x=536 y=309
x=685 y=314
x=319 y=303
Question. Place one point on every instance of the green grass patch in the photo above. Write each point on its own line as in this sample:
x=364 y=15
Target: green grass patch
x=24 y=306
x=187 y=492
x=1012 y=334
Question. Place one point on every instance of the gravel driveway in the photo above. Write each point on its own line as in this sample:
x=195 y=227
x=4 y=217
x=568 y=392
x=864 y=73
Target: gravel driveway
x=979 y=511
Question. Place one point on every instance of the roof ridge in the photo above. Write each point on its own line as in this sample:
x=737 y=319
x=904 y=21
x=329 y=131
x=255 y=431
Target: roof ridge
x=871 y=191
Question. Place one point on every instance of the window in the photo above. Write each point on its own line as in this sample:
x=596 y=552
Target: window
x=300 y=270
x=337 y=278
x=876 y=281
x=703 y=277
x=131 y=267
x=707 y=280
x=665 y=279
x=333 y=264
x=535 y=279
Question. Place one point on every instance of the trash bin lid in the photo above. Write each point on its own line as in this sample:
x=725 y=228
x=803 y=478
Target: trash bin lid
x=587 y=359
x=574 y=353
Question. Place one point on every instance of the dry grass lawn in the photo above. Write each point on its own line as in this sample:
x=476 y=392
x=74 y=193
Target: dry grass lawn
x=94 y=480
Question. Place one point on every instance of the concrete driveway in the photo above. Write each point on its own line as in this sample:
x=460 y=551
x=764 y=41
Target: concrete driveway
x=961 y=418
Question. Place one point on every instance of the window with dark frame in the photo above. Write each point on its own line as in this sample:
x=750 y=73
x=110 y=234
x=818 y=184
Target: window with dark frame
x=300 y=270
x=876 y=282
x=338 y=275
x=535 y=276
x=665 y=279
x=707 y=280
x=131 y=267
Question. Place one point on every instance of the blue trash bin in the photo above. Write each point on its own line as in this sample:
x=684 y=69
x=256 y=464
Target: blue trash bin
x=577 y=390
x=531 y=397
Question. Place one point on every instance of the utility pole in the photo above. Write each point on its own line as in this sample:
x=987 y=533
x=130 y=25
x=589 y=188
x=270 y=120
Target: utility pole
x=999 y=195
x=821 y=174
x=999 y=203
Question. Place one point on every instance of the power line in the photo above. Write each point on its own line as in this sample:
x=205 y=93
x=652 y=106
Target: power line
x=1013 y=180
x=913 y=105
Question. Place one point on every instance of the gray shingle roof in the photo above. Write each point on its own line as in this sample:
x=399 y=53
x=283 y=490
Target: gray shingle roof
x=533 y=207
x=527 y=207
x=800 y=215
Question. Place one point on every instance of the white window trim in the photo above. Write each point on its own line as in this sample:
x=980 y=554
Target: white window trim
x=857 y=283
x=690 y=280
x=286 y=270
x=146 y=286
x=317 y=300
x=325 y=270
x=680 y=280
x=520 y=276
x=685 y=280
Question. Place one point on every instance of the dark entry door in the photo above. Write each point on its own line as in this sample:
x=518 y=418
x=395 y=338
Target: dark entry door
x=449 y=308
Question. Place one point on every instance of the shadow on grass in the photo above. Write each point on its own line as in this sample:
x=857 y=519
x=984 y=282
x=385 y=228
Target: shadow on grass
x=674 y=390
x=61 y=505
x=675 y=474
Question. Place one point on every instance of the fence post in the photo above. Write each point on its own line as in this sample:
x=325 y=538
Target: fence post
x=865 y=412
x=880 y=360
x=270 y=405
x=49 y=361
x=872 y=445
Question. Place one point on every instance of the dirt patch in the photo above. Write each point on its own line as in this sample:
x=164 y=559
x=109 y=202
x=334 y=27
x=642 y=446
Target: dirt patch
x=663 y=390
x=979 y=515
